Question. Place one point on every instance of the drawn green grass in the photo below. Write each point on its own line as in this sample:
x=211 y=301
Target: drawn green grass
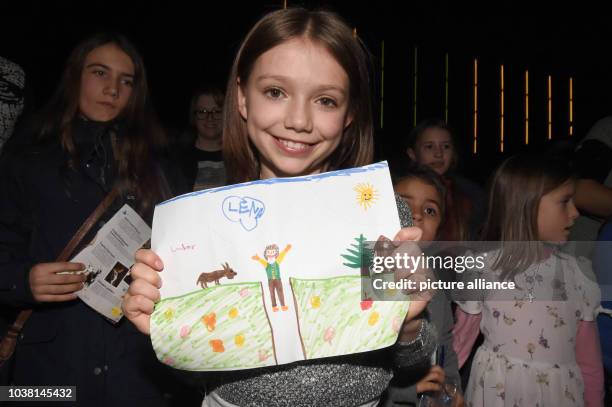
x=194 y=351
x=332 y=320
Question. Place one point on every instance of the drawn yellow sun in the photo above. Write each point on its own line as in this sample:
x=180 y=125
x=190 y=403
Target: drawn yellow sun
x=366 y=195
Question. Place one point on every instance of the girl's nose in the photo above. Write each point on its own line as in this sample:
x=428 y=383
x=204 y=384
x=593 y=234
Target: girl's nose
x=573 y=211
x=416 y=215
x=111 y=90
x=299 y=116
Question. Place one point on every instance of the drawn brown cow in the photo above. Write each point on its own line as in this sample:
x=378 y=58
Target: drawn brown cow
x=216 y=276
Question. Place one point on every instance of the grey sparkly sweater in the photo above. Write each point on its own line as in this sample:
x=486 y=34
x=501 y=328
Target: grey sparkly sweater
x=349 y=380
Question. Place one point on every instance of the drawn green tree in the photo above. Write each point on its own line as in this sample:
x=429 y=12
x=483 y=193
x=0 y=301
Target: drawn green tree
x=357 y=253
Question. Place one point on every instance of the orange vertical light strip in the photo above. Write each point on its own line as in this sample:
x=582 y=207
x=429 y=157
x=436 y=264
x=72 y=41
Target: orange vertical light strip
x=526 y=107
x=501 y=116
x=475 y=142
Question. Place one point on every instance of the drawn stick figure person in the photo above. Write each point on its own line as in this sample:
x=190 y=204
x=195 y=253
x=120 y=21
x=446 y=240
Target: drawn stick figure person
x=271 y=262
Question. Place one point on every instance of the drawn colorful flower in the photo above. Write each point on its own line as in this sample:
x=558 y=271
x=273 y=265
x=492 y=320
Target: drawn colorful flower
x=239 y=340
x=169 y=314
x=185 y=331
x=263 y=355
x=210 y=320
x=245 y=292
x=233 y=313
x=216 y=345
x=373 y=318
x=315 y=301
x=329 y=334
x=168 y=361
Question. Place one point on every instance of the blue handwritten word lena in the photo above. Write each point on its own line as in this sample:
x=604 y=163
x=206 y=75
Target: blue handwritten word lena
x=245 y=210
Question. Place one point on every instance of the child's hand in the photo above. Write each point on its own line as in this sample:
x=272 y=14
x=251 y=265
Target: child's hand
x=288 y=247
x=432 y=381
x=256 y=257
x=418 y=298
x=139 y=301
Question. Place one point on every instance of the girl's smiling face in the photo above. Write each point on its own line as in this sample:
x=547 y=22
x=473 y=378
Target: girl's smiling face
x=295 y=103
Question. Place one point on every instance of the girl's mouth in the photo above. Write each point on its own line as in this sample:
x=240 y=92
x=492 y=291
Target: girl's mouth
x=293 y=147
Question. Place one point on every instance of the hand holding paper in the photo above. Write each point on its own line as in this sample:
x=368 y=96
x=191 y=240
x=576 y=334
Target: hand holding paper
x=139 y=302
x=49 y=286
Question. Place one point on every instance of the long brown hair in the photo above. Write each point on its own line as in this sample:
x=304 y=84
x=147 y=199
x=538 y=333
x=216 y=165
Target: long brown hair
x=137 y=171
x=516 y=189
x=330 y=31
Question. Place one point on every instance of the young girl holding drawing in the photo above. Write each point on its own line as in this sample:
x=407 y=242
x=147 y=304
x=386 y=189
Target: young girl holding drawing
x=297 y=103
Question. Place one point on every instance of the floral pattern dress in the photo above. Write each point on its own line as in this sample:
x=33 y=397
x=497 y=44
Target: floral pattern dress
x=528 y=355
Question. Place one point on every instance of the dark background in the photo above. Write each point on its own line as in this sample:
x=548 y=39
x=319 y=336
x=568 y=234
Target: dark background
x=185 y=43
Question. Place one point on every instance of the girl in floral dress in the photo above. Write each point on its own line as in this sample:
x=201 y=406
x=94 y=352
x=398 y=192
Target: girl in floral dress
x=534 y=333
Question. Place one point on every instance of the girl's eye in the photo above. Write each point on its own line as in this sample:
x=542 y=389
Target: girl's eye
x=99 y=73
x=431 y=211
x=274 y=93
x=128 y=82
x=328 y=102
x=447 y=146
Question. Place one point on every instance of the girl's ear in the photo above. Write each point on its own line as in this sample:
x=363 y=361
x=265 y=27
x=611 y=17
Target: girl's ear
x=411 y=154
x=242 y=108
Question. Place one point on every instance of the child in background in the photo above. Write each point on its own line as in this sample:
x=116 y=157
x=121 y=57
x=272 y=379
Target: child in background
x=424 y=191
x=540 y=341
x=432 y=143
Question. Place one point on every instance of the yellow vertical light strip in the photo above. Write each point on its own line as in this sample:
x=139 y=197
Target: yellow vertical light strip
x=416 y=75
x=526 y=107
x=549 y=107
x=285 y=4
x=475 y=147
x=446 y=88
x=571 y=106
x=355 y=32
x=382 y=84
x=501 y=115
